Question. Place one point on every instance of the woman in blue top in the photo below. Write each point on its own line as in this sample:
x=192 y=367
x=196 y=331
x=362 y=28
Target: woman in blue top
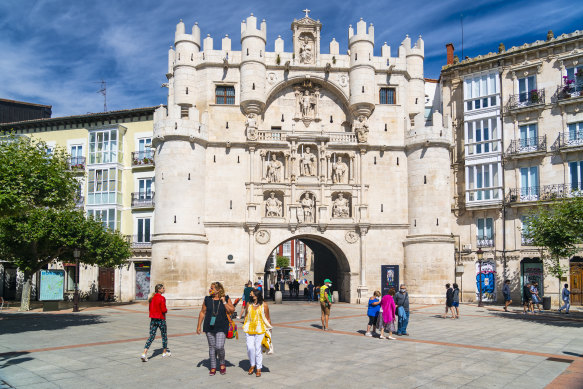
x=373 y=312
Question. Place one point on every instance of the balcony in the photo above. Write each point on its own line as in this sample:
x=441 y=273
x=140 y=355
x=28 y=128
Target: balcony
x=483 y=197
x=543 y=193
x=528 y=146
x=526 y=241
x=531 y=100
x=570 y=141
x=522 y=195
x=76 y=164
x=333 y=137
x=142 y=200
x=143 y=158
x=139 y=241
x=568 y=91
x=485 y=241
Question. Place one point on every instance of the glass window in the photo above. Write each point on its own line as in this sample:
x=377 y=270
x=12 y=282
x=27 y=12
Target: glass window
x=483 y=182
x=70 y=274
x=387 y=96
x=575 y=169
x=485 y=228
x=480 y=91
x=143 y=235
x=525 y=86
x=145 y=188
x=575 y=133
x=287 y=249
x=107 y=217
x=529 y=183
x=103 y=146
x=225 y=94
x=482 y=136
x=528 y=135
x=104 y=186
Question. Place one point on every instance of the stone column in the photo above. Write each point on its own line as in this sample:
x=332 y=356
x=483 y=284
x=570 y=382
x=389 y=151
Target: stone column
x=362 y=288
x=286 y=156
x=361 y=162
x=251 y=230
x=262 y=154
x=328 y=169
x=352 y=168
x=322 y=167
x=251 y=173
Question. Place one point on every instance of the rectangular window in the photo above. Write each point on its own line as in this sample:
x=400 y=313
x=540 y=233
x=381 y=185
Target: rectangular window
x=143 y=235
x=481 y=91
x=575 y=170
x=486 y=228
x=287 y=249
x=387 y=96
x=525 y=86
x=110 y=217
x=481 y=136
x=529 y=189
x=524 y=231
x=483 y=182
x=104 y=186
x=145 y=188
x=225 y=94
x=103 y=146
x=70 y=275
x=575 y=134
x=528 y=137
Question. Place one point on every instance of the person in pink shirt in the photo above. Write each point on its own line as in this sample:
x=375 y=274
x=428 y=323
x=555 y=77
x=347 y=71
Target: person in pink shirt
x=387 y=316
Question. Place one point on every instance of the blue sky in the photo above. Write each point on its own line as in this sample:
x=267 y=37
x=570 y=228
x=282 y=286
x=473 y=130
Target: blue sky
x=55 y=52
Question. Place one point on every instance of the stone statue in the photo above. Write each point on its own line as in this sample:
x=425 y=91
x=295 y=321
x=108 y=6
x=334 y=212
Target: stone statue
x=305 y=51
x=273 y=206
x=308 y=163
x=251 y=125
x=306 y=104
x=341 y=207
x=307 y=204
x=339 y=170
x=274 y=168
x=361 y=128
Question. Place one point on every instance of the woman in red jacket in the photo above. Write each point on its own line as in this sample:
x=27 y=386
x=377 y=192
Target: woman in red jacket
x=157 y=319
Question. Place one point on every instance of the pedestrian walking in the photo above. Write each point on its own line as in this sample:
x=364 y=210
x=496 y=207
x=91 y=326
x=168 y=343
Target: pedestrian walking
x=506 y=293
x=535 y=297
x=214 y=313
x=566 y=297
x=272 y=290
x=387 y=316
x=325 y=303
x=374 y=307
x=157 y=310
x=257 y=323
x=402 y=303
x=310 y=292
x=456 y=300
x=248 y=288
x=448 y=301
x=526 y=298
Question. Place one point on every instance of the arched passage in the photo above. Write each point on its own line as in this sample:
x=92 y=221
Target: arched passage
x=328 y=262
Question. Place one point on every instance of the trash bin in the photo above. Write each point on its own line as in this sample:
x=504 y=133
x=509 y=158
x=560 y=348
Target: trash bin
x=546 y=303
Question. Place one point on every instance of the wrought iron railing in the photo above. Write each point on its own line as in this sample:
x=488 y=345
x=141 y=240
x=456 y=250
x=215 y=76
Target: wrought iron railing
x=139 y=241
x=528 y=145
x=76 y=163
x=544 y=193
x=570 y=139
x=485 y=241
x=567 y=91
x=526 y=99
x=142 y=199
x=143 y=158
x=526 y=241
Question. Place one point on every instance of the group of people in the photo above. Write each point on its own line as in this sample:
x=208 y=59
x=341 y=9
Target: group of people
x=531 y=298
x=452 y=301
x=384 y=312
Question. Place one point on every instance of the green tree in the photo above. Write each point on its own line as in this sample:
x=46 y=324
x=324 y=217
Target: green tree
x=281 y=261
x=38 y=221
x=557 y=227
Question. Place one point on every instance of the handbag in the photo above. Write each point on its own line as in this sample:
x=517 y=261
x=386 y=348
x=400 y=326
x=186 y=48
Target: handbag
x=232 y=333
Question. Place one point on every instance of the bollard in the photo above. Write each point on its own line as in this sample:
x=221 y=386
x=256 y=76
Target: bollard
x=278 y=297
x=335 y=296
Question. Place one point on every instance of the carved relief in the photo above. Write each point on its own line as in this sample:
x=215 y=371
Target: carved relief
x=308 y=163
x=271 y=78
x=306 y=52
x=262 y=236
x=339 y=171
x=361 y=128
x=251 y=126
x=307 y=103
x=351 y=237
x=341 y=207
x=274 y=169
x=273 y=206
x=306 y=214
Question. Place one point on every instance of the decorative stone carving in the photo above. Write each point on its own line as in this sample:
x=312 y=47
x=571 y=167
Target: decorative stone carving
x=306 y=50
x=351 y=237
x=361 y=129
x=341 y=207
x=271 y=78
x=273 y=206
x=274 y=169
x=307 y=103
x=251 y=126
x=343 y=80
x=306 y=212
x=339 y=171
x=308 y=163
x=262 y=236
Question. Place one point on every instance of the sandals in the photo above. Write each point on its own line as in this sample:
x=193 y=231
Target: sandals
x=251 y=370
x=258 y=373
x=223 y=369
x=213 y=371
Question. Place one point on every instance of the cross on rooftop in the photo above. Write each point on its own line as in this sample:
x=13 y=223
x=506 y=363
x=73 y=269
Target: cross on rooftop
x=307 y=11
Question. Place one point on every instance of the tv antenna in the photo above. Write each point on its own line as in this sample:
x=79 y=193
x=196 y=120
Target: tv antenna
x=103 y=91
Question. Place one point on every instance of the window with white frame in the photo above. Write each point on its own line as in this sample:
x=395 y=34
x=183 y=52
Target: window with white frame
x=103 y=146
x=575 y=74
x=110 y=217
x=145 y=148
x=286 y=249
x=145 y=188
x=575 y=134
x=485 y=227
x=528 y=137
x=481 y=91
x=483 y=182
x=482 y=136
x=529 y=189
x=70 y=276
x=143 y=233
x=526 y=87
x=575 y=175
x=525 y=225
x=77 y=155
x=104 y=186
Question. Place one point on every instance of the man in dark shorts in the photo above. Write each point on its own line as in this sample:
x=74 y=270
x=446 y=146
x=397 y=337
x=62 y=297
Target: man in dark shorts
x=526 y=298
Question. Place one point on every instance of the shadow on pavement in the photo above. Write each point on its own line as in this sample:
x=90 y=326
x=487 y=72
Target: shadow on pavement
x=245 y=365
x=15 y=323
x=207 y=363
x=14 y=358
x=546 y=319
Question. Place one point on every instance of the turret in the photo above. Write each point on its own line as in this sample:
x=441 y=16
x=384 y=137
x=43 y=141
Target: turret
x=253 y=69
x=429 y=243
x=184 y=72
x=414 y=58
x=362 y=72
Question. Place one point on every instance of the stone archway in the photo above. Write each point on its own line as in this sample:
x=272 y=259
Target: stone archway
x=329 y=262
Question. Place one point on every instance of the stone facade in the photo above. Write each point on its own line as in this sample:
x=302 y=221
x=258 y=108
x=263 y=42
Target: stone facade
x=255 y=148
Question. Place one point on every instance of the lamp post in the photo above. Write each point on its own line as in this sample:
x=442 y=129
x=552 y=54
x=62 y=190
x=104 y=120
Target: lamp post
x=480 y=255
x=76 y=254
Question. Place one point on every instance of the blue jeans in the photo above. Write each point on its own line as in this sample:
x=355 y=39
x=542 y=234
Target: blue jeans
x=566 y=306
x=311 y=295
x=403 y=320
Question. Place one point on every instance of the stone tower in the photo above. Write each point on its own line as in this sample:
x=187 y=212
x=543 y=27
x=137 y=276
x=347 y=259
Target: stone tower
x=179 y=241
x=253 y=66
x=362 y=71
x=429 y=249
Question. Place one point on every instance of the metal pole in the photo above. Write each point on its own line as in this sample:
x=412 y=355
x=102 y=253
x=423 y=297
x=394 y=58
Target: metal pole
x=76 y=295
x=480 y=284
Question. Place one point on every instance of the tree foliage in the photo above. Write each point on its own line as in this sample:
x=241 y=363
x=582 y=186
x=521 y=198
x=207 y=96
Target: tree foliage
x=281 y=261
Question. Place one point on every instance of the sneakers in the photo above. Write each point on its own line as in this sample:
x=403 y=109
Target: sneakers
x=368 y=334
x=166 y=354
x=144 y=357
x=382 y=337
x=391 y=338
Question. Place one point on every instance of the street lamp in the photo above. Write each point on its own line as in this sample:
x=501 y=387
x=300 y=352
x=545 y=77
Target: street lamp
x=76 y=254
x=480 y=255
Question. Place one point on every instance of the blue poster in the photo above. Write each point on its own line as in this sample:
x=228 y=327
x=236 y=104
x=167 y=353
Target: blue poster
x=389 y=278
x=52 y=285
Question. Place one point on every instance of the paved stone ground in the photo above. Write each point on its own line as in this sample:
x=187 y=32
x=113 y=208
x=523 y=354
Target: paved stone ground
x=100 y=348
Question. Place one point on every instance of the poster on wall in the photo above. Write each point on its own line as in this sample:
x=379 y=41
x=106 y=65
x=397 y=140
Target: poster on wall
x=487 y=279
x=533 y=272
x=389 y=278
x=52 y=284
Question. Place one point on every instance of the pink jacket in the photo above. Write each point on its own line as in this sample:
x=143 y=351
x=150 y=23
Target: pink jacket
x=388 y=305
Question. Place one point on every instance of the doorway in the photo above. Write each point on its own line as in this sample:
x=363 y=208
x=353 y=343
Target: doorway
x=106 y=283
x=576 y=271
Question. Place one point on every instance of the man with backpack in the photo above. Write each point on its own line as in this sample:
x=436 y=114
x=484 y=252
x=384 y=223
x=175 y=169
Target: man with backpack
x=325 y=303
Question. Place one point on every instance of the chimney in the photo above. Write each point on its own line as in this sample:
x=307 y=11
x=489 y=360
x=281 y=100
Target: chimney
x=449 y=48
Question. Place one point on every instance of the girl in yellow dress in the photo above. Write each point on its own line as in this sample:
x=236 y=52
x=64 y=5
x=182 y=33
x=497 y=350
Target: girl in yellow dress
x=257 y=323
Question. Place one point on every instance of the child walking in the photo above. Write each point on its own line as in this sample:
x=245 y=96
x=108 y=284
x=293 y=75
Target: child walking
x=374 y=308
x=157 y=320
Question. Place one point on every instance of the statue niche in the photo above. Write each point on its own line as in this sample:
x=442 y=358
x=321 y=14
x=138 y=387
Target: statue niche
x=306 y=49
x=307 y=103
x=273 y=205
x=341 y=206
x=307 y=209
x=361 y=128
x=308 y=162
x=274 y=168
x=339 y=169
